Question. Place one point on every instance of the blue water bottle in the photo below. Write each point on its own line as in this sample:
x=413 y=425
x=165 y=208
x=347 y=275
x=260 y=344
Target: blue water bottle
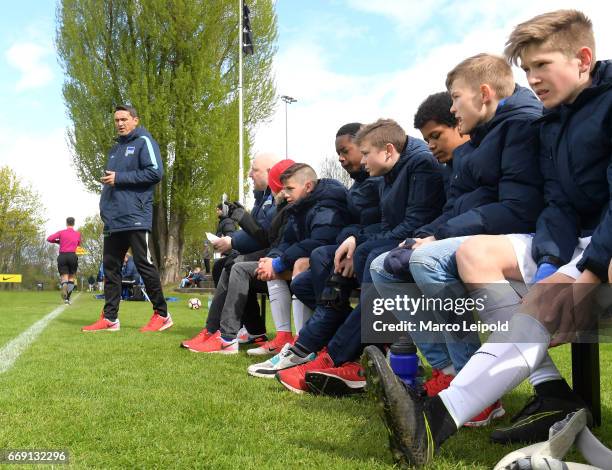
x=405 y=362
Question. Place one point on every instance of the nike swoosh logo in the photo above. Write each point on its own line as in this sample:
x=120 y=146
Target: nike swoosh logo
x=224 y=346
x=535 y=417
x=6 y=278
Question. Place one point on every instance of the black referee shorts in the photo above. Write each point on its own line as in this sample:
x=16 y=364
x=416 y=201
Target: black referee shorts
x=67 y=263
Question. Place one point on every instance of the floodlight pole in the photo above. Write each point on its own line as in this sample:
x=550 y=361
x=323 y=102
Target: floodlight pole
x=287 y=100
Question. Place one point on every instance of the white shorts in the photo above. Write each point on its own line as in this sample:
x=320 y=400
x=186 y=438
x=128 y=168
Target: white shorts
x=522 y=249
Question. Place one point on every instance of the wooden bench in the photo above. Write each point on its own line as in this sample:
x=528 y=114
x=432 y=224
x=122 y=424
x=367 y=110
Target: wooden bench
x=194 y=290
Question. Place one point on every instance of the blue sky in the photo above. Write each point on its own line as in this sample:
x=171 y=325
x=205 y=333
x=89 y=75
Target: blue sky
x=344 y=60
x=34 y=96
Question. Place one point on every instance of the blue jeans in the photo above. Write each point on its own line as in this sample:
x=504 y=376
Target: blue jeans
x=388 y=286
x=434 y=269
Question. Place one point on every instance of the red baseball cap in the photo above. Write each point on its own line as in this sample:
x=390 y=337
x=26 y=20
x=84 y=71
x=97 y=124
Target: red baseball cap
x=275 y=172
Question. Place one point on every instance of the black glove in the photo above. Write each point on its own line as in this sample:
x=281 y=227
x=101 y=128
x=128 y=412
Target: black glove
x=236 y=211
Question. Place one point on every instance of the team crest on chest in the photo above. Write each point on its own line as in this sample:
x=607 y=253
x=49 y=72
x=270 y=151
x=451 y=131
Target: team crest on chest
x=130 y=151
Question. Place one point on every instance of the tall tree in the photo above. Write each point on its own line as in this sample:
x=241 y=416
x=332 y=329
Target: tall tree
x=92 y=242
x=331 y=168
x=176 y=62
x=20 y=227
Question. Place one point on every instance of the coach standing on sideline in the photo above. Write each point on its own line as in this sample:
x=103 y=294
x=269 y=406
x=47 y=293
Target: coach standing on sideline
x=133 y=169
x=67 y=261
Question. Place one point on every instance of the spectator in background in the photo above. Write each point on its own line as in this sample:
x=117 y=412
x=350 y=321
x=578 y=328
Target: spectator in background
x=129 y=276
x=207 y=255
x=226 y=226
x=193 y=279
x=100 y=278
x=91 y=282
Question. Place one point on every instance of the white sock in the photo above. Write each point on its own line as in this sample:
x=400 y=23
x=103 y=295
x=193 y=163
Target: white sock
x=449 y=370
x=546 y=371
x=301 y=314
x=496 y=368
x=501 y=302
x=280 y=304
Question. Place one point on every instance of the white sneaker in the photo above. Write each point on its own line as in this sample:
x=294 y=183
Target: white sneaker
x=283 y=360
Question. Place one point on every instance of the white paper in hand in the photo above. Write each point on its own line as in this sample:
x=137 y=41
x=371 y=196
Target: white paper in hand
x=212 y=238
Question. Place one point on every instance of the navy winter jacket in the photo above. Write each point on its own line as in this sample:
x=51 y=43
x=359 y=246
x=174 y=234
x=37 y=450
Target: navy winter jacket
x=364 y=198
x=263 y=212
x=447 y=175
x=226 y=226
x=128 y=205
x=312 y=222
x=412 y=194
x=364 y=205
x=496 y=186
x=576 y=161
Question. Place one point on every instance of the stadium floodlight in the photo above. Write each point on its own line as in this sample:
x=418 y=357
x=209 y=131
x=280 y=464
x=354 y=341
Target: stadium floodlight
x=287 y=100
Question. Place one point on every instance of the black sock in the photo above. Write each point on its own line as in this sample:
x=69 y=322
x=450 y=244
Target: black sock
x=441 y=422
x=556 y=389
x=299 y=350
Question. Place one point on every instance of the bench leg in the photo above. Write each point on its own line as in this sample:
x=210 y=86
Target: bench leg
x=585 y=376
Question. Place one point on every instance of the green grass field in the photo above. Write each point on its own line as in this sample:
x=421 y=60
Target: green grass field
x=130 y=400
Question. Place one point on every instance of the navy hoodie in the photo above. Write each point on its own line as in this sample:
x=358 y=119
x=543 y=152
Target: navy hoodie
x=412 y=194
x=128 y=205
x=576 y=162
x=496 y=187
x=312 y=222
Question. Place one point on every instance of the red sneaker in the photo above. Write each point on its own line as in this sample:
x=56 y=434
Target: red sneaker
x=274 y=346
x=216 y=344
x=245 y=338
x=484 y=418
x=199 y=338
x=347 y=379
x=294 y=378
x=439 y=381
x=158 y=323
x=102 y=324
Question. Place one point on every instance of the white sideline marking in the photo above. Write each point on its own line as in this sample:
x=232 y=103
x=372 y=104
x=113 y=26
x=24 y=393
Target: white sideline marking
x=13 y=349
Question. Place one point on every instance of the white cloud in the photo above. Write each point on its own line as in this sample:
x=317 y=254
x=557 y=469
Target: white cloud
x=327 y=100
x=29 y=59
x=44 y=162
